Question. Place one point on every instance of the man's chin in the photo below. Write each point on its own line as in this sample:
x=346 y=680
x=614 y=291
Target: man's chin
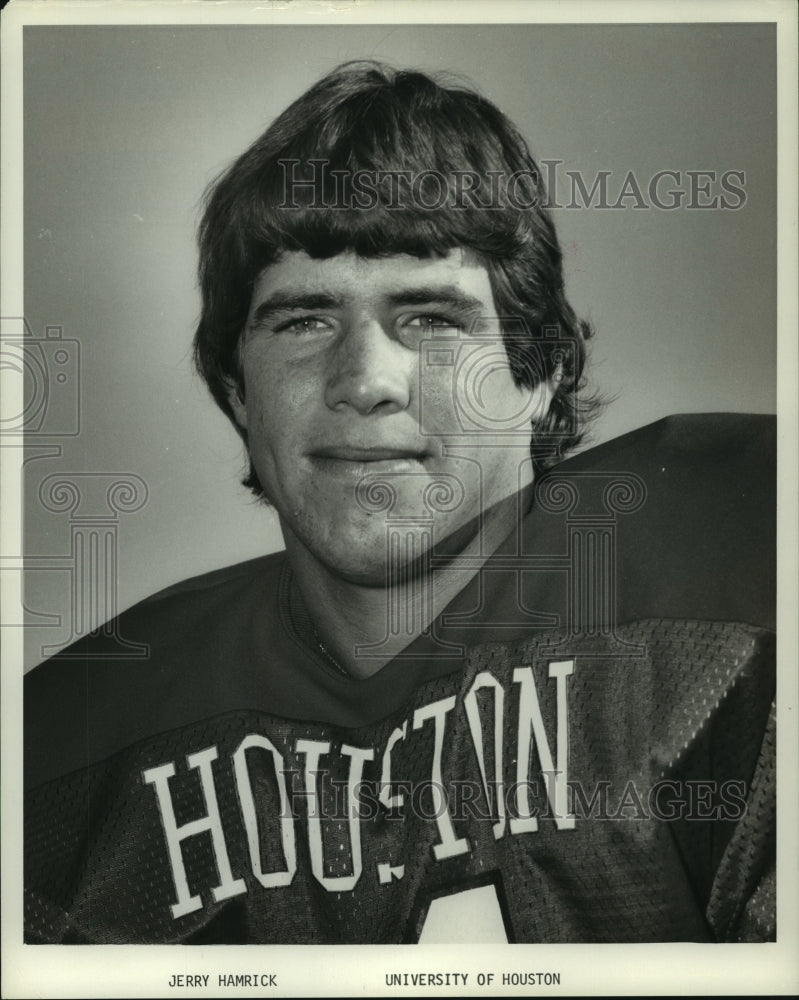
x=375 y=551
x=405 y=553
x=379 y=570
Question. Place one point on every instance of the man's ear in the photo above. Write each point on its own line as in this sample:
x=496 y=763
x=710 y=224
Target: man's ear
x=235 y=398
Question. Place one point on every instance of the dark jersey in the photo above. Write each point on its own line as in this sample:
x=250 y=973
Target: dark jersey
x=588 y=727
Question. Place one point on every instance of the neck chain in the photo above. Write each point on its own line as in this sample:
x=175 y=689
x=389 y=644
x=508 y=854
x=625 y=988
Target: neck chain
x=303 y=622
x=328 y=655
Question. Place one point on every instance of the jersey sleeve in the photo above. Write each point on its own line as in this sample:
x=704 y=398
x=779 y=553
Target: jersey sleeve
x=743 y=897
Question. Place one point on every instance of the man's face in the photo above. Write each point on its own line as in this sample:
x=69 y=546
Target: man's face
x=378 y=391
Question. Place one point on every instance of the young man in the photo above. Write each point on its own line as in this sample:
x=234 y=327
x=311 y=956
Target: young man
x=474 y=664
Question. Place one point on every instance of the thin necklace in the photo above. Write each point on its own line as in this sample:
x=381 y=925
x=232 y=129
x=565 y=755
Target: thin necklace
x=301 y=608
x=328 y=655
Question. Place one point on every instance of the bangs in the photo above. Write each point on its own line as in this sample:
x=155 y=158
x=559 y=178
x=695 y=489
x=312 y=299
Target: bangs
x=393 y=222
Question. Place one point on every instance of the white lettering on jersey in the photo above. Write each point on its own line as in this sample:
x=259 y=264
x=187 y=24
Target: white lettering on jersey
x=531 y=723
x=450 y=845
x=211 y=823
x=515 y=810
x=386 y=872
x=248 y=813
x=486 y=680
x=385 y=797
x=313 y=750
x=471 y=916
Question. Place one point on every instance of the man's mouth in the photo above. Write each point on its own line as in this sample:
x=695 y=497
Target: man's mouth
x=358 y=460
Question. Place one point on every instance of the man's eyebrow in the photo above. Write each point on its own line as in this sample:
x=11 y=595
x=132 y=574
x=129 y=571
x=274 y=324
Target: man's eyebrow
x=449 y=296
x=280 y=302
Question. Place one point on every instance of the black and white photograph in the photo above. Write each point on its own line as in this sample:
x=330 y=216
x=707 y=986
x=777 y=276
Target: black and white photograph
x=399 y=499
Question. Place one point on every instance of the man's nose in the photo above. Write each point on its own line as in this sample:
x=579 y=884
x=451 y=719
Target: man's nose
x=369 y=372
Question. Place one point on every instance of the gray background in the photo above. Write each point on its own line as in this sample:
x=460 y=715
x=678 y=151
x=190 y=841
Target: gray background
x=125 y=126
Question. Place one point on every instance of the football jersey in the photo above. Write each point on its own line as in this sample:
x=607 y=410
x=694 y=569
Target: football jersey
x=587 y=727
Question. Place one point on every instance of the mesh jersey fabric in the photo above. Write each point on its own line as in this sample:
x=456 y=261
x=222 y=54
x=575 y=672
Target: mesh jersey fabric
x=588 y=727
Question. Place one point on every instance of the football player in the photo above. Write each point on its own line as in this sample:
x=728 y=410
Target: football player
x=478 y=662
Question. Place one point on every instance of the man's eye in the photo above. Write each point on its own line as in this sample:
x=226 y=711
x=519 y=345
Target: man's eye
x=303 y=324
x=433 y=321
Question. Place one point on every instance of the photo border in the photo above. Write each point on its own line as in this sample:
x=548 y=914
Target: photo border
x=344 y=970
